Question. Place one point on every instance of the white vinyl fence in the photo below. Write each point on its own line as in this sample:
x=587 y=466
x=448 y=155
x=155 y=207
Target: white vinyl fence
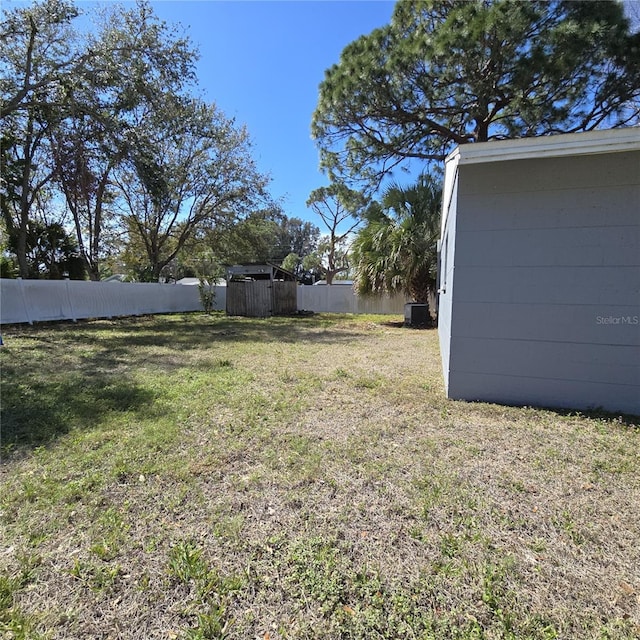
x=341 y=298
x=47 y=300
x=42 y=300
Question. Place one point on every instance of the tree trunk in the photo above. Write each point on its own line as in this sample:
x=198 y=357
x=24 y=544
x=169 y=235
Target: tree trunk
x=21 y=249
x=21 y=245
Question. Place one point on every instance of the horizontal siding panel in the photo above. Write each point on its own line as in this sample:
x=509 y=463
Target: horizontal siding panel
x=586 y=246
x=547 y=285
x=521 y=391
x=596 y=324
x=550 y=174
x=552 y=361
x=584 y=207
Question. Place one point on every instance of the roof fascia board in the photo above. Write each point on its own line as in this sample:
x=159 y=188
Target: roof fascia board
x=569 y=144
x=450 y=178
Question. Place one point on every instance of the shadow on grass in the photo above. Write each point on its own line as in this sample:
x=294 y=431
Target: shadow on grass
x=190 y=331
x=66 y=376
x=35 y=414
x=611 y=419
x=615 y=419
x=104 y=347
x=402 y=325
x=198 y=331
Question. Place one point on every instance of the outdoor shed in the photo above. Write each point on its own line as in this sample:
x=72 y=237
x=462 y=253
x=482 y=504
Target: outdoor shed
x=539 y=285
x=260 y=290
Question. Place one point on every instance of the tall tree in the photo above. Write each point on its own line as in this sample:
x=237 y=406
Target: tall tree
x=187 y=166
x=52 y=252
x=38 y=54
x=44 y=58
x=36 y=42
x=70 y=103
x=339 y=209
x=265 y=235
x=84 y=162
x=255 y=237
x=300 y=236
x=136 y=60
x=446 y=72
x=396 y=250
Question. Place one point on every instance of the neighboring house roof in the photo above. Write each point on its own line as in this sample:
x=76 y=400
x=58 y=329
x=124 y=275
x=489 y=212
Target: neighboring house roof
x=220 y=282
x=260 y=269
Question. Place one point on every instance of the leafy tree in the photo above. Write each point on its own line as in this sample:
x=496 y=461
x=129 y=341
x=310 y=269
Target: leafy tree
x=84 y=164
x=10 y=182
x=131 y=53
x=254 y=237
x=132 y=258
x=135 y=62
x=300 y=236
x=51 y=252
x=38 y=54
x=396 y=250
x=72 y=102
x=291 y=262
x=25 y=176
x=187 y=166
x=339 y=208
x=312 y=268
x=8 y=267
x=36 y=43
x=301 y=239
x=308 y=269
x=266 y=235
x=446 y=72
x=207 y=292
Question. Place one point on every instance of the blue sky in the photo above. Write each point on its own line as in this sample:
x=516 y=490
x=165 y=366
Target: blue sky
x=262 y=62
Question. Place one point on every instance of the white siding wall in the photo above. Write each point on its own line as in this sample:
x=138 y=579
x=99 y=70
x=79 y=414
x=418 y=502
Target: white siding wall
x=546 y=303
x=447 y=257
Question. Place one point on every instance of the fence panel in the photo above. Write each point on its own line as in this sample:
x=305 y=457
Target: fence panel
x=249 y=298
x=46 y=300
x=343 y=299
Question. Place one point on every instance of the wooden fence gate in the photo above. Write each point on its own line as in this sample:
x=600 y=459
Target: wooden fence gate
x=249 y=298
x=261 y=290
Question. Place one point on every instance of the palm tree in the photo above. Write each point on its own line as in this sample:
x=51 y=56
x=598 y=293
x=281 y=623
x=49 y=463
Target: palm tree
x=396 y=250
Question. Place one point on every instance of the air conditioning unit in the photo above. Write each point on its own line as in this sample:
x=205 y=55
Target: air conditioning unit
x=417 y=315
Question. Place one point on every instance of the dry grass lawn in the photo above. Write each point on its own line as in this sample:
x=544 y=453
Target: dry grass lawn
x=196 y=476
